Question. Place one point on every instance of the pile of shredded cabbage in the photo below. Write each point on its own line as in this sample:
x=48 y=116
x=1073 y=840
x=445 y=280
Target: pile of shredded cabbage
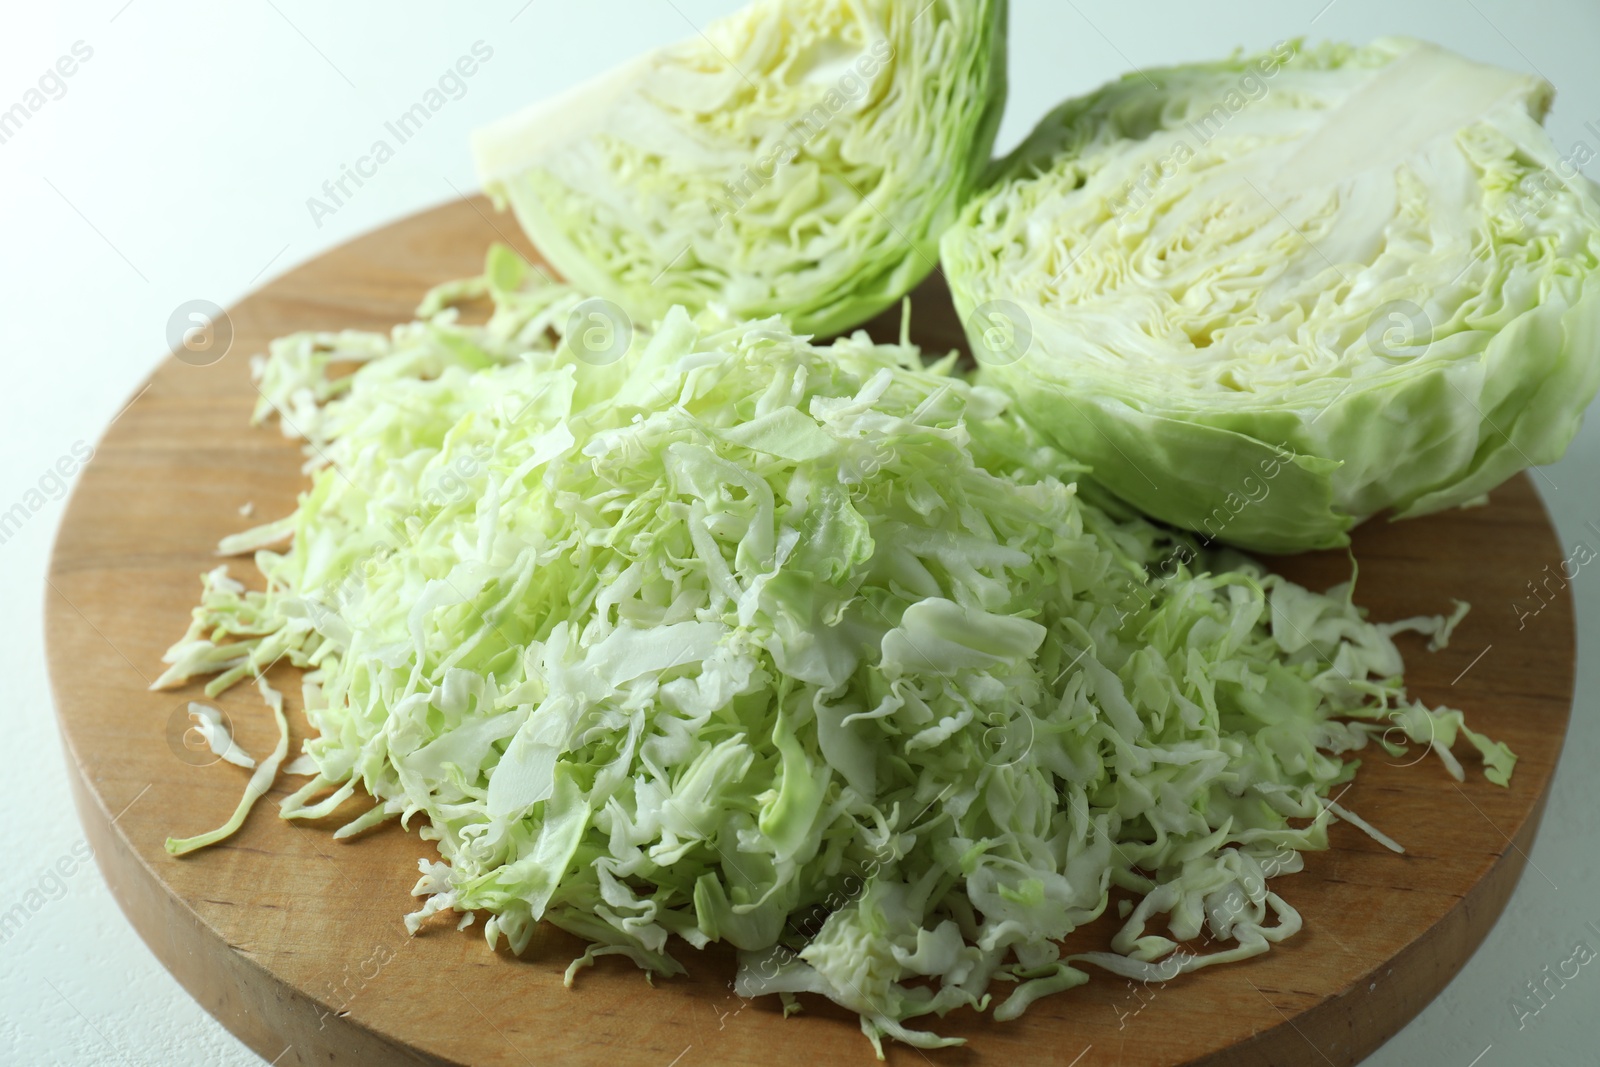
x=806 y=649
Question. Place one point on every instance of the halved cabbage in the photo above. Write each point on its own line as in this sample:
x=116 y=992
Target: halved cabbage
x=1270 y=297
x=801 y=157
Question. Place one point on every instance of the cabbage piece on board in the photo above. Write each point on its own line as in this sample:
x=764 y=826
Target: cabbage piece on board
x=801 y=157
x=1270 y=297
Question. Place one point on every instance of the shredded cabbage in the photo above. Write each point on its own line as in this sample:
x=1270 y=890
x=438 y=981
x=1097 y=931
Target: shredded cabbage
x=814 y=650
x=209 y=724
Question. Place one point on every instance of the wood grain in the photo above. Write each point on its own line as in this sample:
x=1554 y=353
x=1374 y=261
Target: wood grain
x=295 y=941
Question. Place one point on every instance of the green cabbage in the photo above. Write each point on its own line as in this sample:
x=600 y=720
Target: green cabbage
x=806 y=649
x=800 y=157
x=1268 y=298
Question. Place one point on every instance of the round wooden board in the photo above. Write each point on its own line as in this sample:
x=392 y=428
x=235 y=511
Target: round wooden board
x=295 y=941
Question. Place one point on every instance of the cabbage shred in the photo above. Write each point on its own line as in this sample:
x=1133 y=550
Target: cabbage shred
x=814 y=650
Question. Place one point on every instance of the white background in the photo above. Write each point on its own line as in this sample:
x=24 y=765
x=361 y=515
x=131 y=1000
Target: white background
x=177 y=166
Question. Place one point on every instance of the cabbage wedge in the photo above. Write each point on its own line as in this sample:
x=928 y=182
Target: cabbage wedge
x=800 y=157
x=1270 y=297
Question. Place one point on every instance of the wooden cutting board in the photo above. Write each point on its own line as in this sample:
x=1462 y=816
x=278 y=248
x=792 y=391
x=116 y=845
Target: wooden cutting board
x=295 y=941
